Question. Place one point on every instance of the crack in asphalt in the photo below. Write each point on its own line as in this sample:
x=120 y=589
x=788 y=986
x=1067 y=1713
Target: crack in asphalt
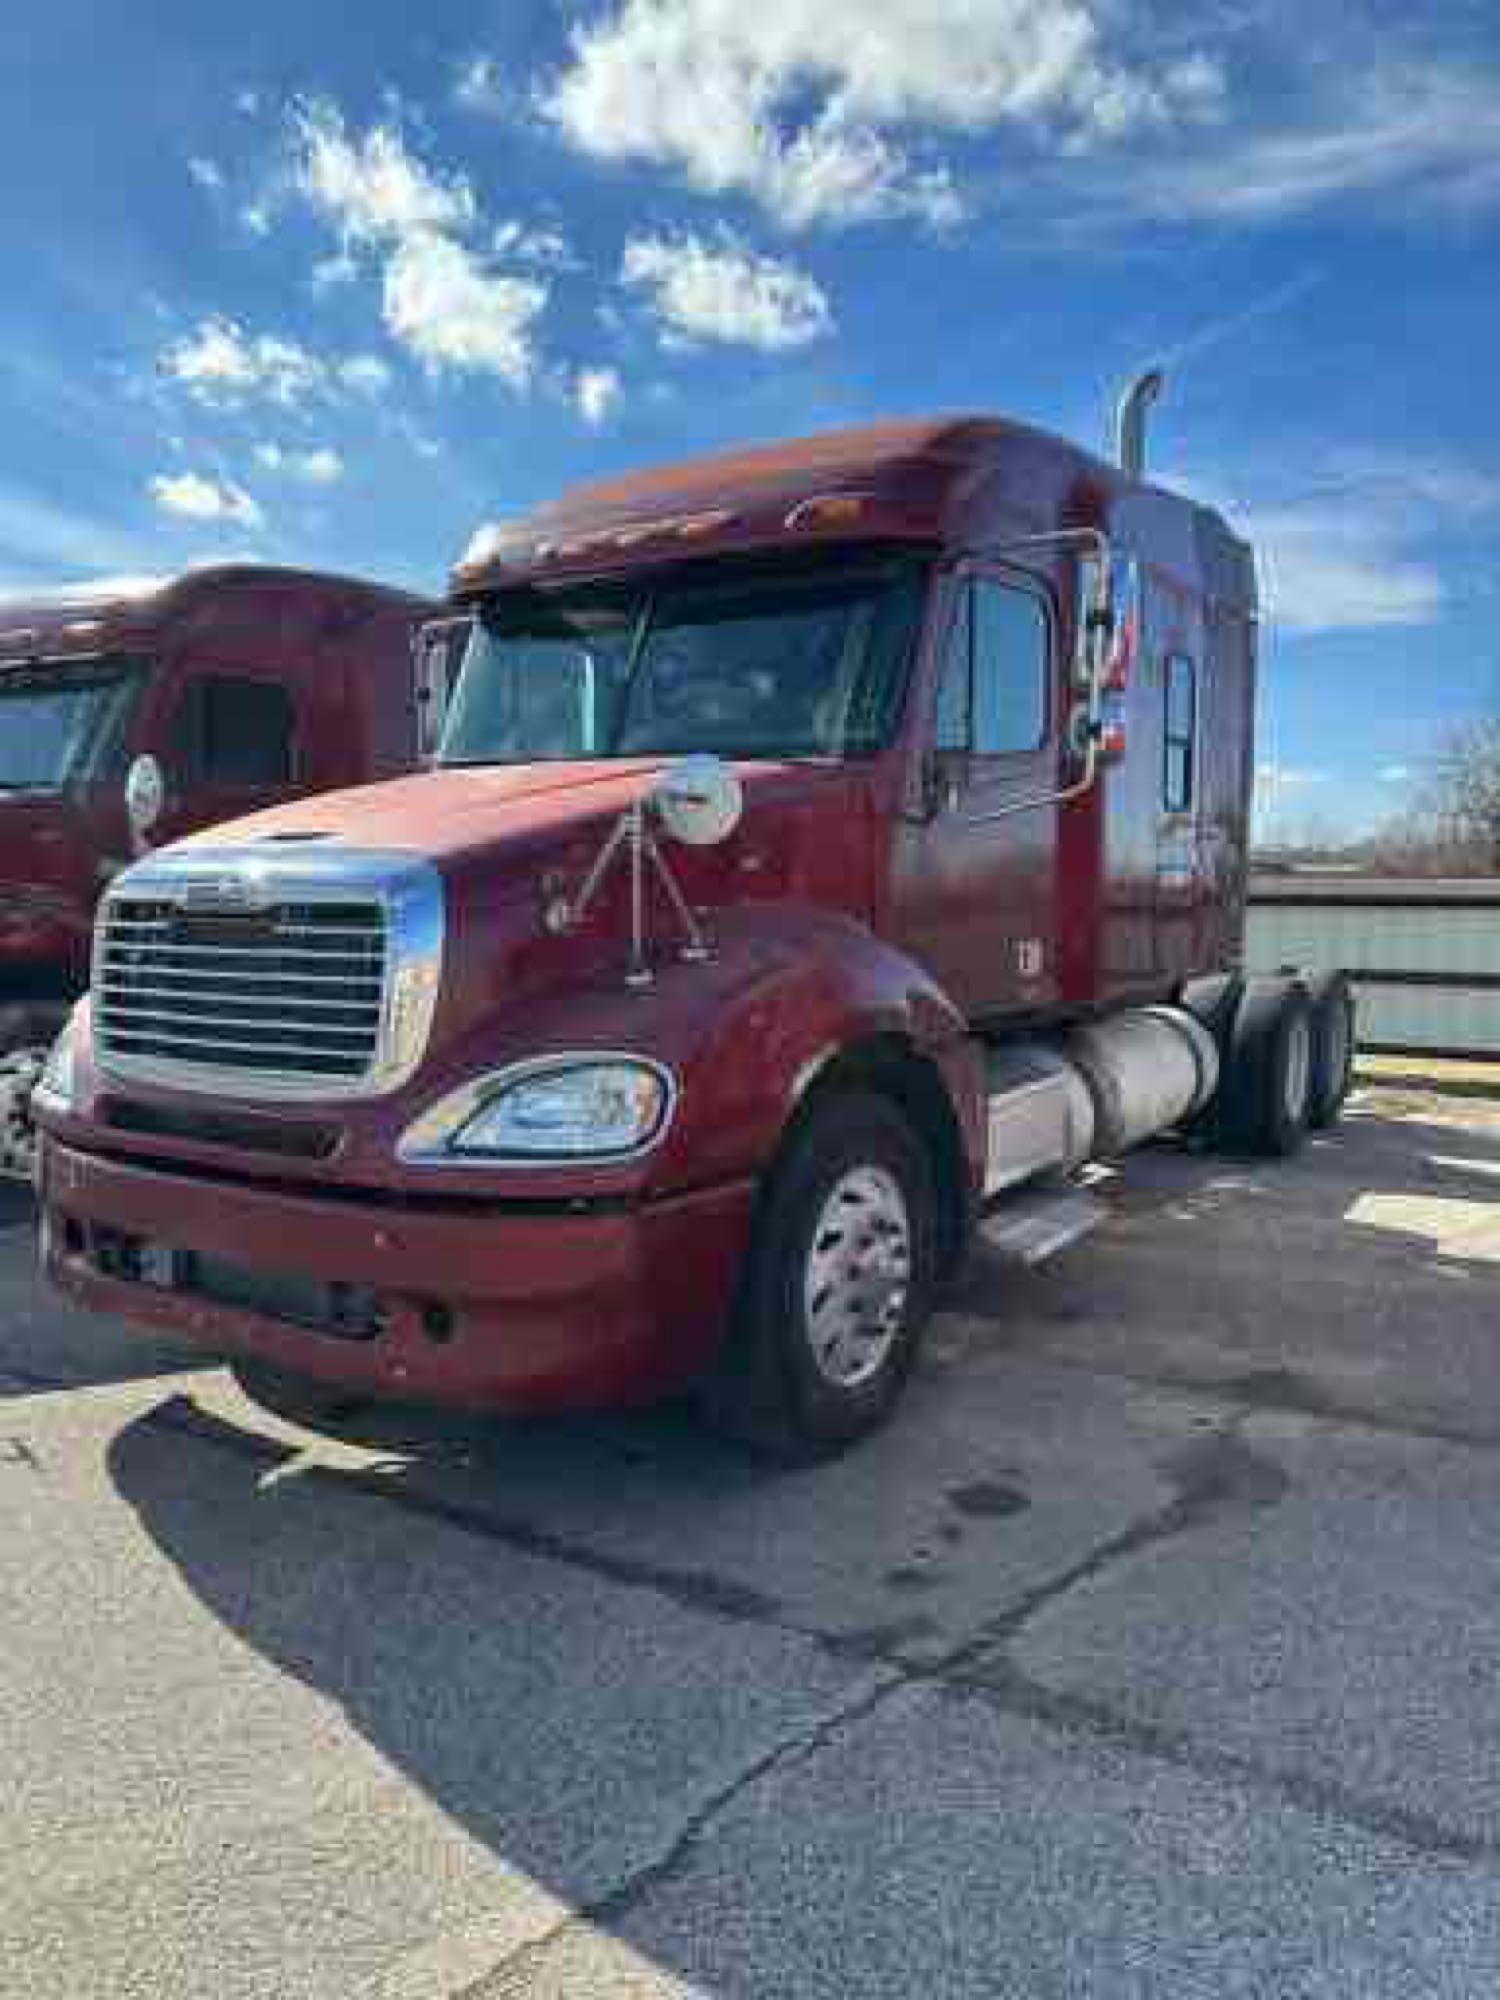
x=1007 y=1688
x=1215 y=1475
x=509 y=1976
x=1280 y=1392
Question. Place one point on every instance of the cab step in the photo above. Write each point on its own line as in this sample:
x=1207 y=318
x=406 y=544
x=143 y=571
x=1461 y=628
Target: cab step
x=1029 y=1228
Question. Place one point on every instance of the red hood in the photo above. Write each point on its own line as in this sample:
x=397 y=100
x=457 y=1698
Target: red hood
x=451 y=817
x=446 y=815
x=508 y=839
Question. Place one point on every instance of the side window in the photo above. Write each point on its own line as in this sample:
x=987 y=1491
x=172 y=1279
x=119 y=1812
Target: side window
x=1011 y=648
x=1179 y=774
x=230 y=731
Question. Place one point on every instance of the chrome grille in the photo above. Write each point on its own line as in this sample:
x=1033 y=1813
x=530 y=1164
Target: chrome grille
x=293 y=990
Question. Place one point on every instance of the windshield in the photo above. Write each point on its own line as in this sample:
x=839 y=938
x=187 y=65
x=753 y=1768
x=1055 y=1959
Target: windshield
x=63 y=725
x=807 y=663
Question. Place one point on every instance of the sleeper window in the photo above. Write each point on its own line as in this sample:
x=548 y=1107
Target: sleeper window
x=232 y=731
x=1179 y=774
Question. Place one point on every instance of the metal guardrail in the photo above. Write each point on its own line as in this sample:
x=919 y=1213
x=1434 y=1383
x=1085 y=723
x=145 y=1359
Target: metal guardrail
x=1424 y=955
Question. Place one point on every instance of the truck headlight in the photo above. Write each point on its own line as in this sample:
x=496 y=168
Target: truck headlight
x=559 y=1108
x=54 y=1086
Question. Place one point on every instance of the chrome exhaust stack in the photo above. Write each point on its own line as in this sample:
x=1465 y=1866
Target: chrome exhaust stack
x=1130 y=421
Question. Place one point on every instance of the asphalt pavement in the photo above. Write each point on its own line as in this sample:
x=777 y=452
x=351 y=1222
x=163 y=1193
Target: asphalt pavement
x=1151 y=1652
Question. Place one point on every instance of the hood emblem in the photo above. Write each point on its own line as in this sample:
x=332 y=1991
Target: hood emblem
x=218 y=894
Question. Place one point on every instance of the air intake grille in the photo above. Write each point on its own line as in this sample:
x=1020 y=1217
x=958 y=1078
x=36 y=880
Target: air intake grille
x=295 y=991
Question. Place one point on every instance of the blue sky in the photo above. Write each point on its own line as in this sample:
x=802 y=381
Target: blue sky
x=332 y=286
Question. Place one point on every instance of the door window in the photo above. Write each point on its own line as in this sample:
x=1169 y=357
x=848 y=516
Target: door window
x=993 y=696
x=1179 y=772
x=1010 y=669
x=234 y=731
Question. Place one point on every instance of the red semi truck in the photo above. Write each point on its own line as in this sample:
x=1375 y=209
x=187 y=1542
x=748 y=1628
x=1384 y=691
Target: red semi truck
x=130 y=716
x=833 y=847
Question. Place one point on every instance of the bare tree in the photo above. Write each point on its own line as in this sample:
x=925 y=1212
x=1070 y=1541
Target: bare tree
x=1421 y=845
x=1464 y=796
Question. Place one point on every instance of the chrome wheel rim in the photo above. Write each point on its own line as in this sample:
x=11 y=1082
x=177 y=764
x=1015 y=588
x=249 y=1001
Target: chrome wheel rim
x=858 y=1276
x=1297 y=1076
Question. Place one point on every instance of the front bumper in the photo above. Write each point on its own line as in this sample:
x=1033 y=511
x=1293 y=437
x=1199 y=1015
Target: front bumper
x=481 y=1304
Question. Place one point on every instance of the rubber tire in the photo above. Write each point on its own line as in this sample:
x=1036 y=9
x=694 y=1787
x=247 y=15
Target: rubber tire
x=767 y=1389
x=1213 y=999
x=1328 y=992
x=1253 y=1115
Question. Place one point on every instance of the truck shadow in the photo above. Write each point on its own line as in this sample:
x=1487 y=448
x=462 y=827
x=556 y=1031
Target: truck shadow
x=567 y=1709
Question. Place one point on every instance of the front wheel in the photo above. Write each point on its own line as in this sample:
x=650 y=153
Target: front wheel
x=839 y=1283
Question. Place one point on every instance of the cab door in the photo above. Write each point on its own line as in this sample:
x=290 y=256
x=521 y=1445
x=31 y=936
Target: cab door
x=973 y=889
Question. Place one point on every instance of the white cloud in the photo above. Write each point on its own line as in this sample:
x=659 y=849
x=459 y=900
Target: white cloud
x=1422 y=135
x=480 y=87
x=1288 y=777
x=806 y=108
x=207 y=173
x=220 y=363
x=456 y=314
x=321 y=466
x=541 y=245
x=719 y=289
x=1328 y=569
x=248 y=103
x=1359 y=547
x=257 y=218
x=198 y=499
x=374 y=190
x=597 y=392
x=454 y=307
x=367 y=373
x=1397 y=774
x=330 y=272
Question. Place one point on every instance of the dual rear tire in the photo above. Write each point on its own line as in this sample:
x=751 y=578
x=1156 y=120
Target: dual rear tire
x=1288 y=1057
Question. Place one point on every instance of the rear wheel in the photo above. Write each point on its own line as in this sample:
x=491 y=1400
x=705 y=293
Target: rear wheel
x=1266 y=1096
x=1332 y=1000
x=838 y=1286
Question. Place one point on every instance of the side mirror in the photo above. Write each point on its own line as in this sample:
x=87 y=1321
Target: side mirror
x=145 y=795
x=1109 y=636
